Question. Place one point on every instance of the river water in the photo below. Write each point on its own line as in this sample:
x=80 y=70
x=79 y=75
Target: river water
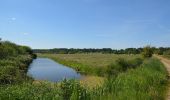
x=49 y=70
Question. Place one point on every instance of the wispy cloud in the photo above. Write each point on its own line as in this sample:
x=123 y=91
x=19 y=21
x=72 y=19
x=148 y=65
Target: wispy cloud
x=12 y=19
x=25 y=33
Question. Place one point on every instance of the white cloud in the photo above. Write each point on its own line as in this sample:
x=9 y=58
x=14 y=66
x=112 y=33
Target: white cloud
x=13 y=18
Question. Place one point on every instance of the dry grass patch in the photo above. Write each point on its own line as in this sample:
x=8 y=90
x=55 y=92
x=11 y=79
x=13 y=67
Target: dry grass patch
x=92 y=81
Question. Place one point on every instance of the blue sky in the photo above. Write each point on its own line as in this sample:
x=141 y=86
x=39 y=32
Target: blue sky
x=86 y=23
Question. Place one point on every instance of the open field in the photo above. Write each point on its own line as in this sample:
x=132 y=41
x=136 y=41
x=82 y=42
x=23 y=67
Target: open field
x=92 y=60
x=145 y=82
x=88 y=63
x=107 y=77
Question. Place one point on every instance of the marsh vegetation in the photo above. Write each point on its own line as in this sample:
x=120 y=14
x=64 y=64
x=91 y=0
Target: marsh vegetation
x=108 y=76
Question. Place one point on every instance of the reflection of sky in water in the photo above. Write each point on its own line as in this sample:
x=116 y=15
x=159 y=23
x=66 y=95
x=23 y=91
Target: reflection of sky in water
x=47 y=69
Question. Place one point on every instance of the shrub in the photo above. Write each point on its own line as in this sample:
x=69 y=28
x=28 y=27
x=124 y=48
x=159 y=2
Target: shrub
x=167 y=52
x=135 y=62
x=9 y=74
x=147 y=52
x=147 y=82
x=112 y=70
x=122 y=65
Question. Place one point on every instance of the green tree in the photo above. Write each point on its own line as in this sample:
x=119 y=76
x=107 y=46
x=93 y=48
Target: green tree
x=147 y=52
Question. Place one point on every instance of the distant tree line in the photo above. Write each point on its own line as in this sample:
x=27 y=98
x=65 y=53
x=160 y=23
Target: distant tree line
x=159 y=51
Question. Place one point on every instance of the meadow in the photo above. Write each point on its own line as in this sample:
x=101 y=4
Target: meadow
x=143 y=79
x=146 y=82
x=107 y=76
x=93 y=63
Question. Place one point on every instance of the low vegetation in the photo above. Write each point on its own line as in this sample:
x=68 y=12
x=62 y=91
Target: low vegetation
x=167 y=54
x=120 y=77
x=14 y=61
x=93 y=64
x=146 y=82
x=147 y=52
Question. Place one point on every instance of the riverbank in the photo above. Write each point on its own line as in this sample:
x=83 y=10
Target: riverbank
x=88 y=64
x=13 y=70
x=120 y=76
x=133 y=83
x=146 y=82
x=14 y=62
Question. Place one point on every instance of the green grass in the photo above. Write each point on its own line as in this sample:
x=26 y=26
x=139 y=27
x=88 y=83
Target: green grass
x=123 y=77
x=13 y=69
x=94 y=64
x=147 y=82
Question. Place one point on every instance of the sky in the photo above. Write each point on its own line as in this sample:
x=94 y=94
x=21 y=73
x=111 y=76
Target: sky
x=113 y=24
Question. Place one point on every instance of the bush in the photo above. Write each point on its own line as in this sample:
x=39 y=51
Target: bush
x=135 y=62
x=167 y=52
x=122 y=65
x=9 y=74
x=147 y=82
x=112 y=70
x=13 y=70
x=147 y=52
x=14 y=61
x=8 y=49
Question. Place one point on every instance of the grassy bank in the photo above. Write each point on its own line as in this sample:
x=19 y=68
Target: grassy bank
x=146 y=82
x=93 y=64
x=122 y=77
x=14 y=61
x=13 y=69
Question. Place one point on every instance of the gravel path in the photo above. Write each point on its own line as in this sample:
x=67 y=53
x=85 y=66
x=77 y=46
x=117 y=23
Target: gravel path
x=166 y=62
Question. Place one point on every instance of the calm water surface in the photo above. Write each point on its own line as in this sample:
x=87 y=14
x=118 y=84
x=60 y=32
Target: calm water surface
x=47 y=69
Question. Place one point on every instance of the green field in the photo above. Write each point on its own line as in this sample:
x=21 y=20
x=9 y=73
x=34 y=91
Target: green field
x=92 y=60
x=88 y=63
x=145 y=82
x=105 y=77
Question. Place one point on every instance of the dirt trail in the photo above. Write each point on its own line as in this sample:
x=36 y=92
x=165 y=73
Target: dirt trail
x=166 y=62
